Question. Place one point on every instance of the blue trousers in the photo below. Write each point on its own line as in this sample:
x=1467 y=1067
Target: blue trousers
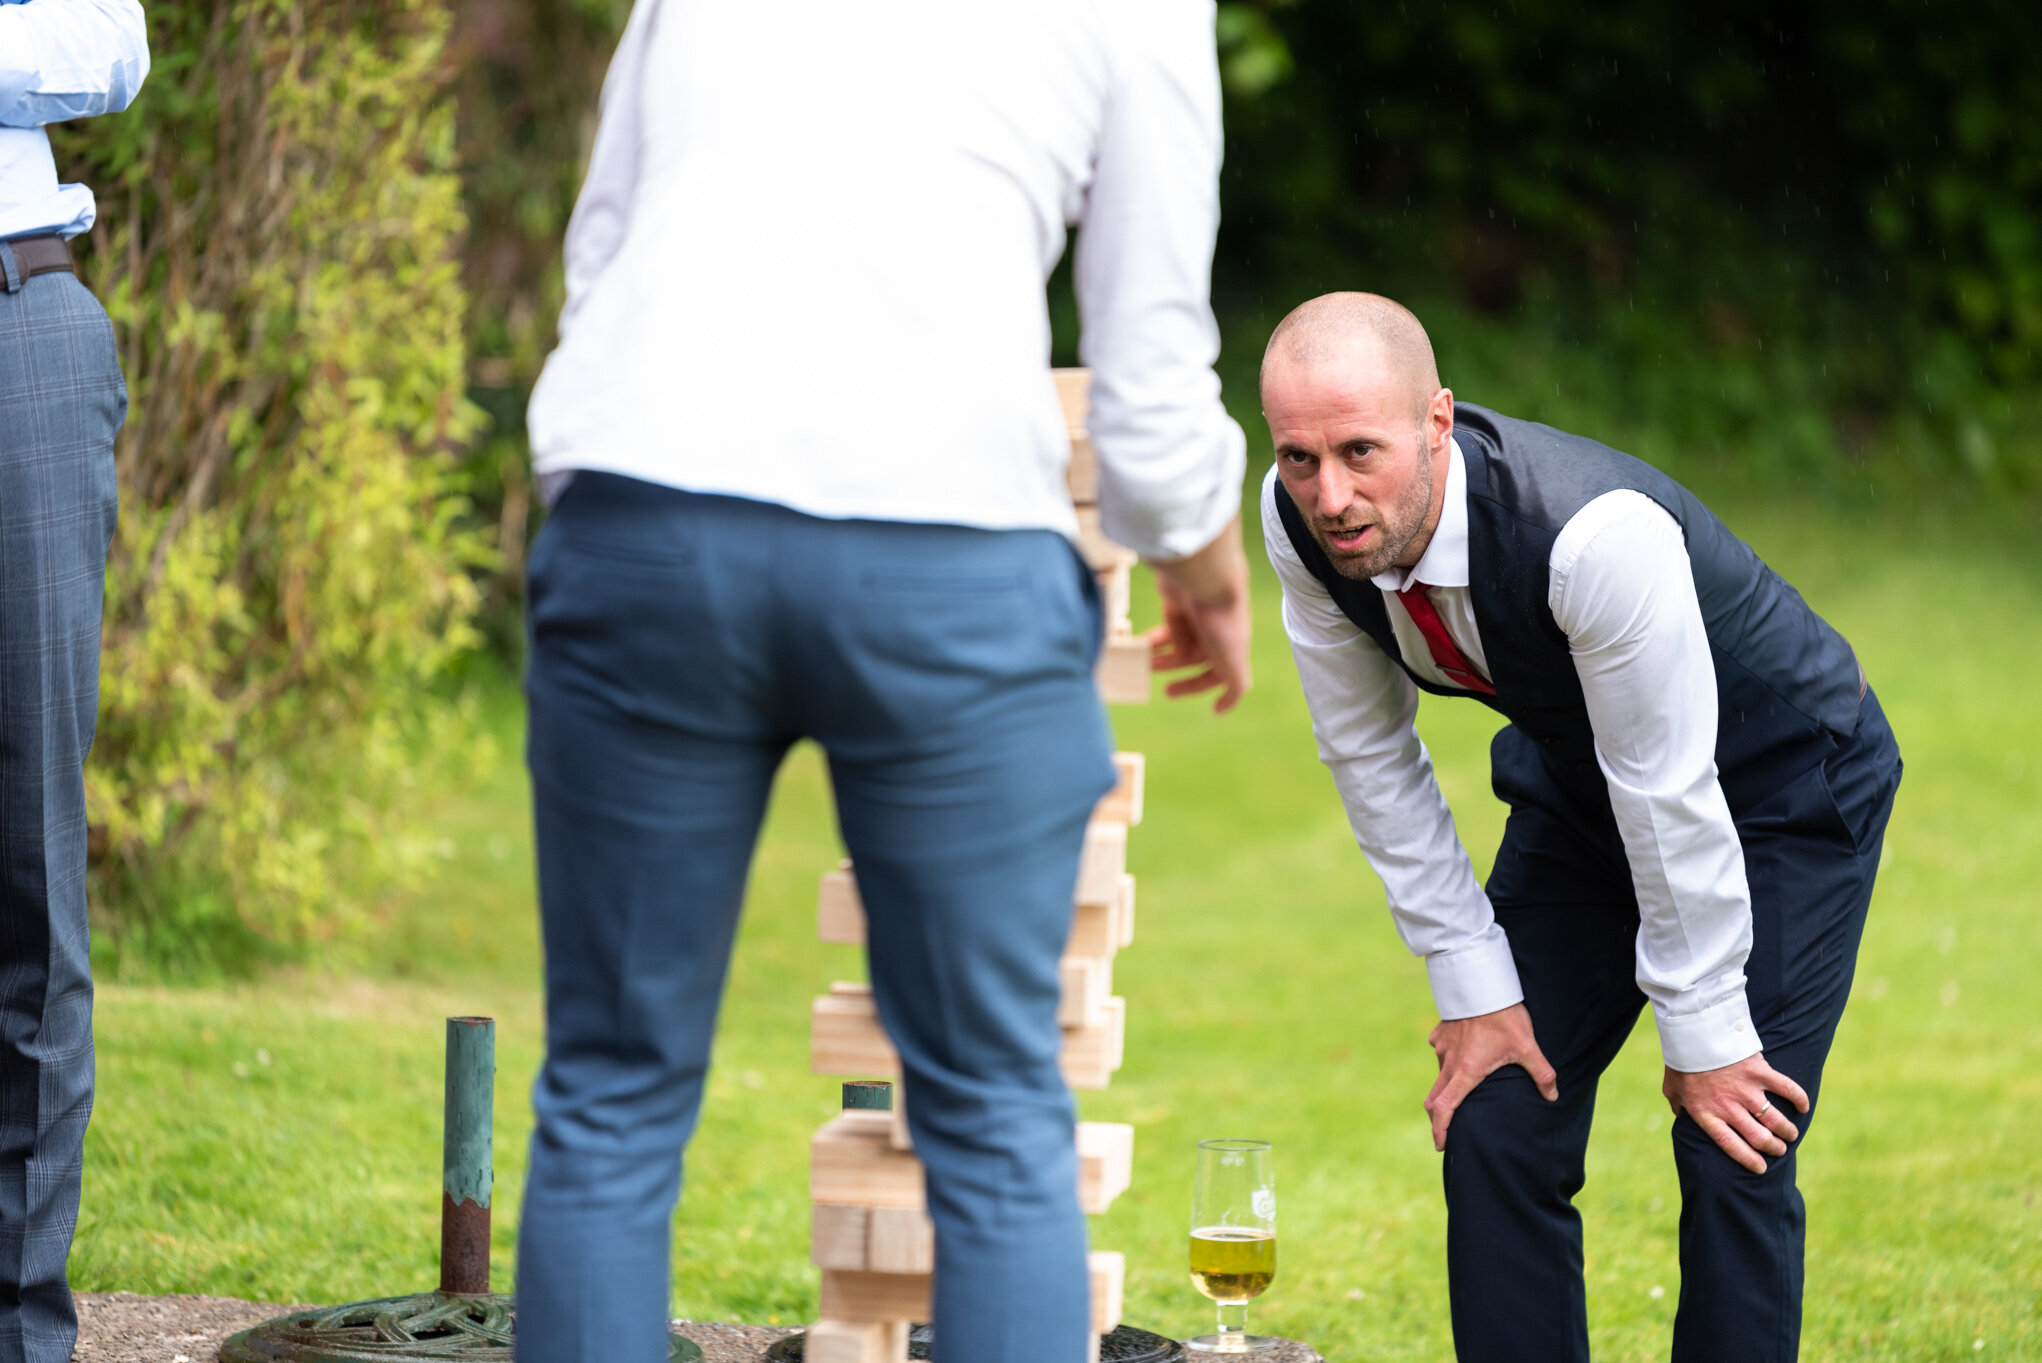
x=1562 y=891
x=61 y=401
x=679 y=645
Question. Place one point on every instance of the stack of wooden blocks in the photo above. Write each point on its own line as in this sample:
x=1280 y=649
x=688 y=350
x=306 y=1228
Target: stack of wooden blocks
x=872 y=1237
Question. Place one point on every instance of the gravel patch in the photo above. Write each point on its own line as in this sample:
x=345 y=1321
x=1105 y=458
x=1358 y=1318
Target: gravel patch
x=127 y=1327
x=725 y=1343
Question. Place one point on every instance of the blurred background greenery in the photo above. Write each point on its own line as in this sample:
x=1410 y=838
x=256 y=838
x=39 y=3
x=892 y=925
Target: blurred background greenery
x=1791 y=253
x=1799 y=247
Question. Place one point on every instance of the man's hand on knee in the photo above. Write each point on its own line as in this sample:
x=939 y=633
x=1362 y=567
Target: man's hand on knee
x=1472 y=1049
x=1734 y=1107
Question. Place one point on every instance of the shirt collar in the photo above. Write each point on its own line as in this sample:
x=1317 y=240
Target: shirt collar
x=1445 y=560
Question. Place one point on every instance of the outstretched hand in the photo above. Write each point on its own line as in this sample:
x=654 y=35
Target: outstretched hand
x=1472 y=1049
x=1205 y=620
x=1734 y=1107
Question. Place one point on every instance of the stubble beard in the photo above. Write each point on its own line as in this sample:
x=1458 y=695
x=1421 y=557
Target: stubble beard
x=1400 y=525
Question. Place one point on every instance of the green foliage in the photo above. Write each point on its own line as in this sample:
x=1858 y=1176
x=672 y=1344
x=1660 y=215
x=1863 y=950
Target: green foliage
x=526 y=91
x=279 y=249
x=1809 y=232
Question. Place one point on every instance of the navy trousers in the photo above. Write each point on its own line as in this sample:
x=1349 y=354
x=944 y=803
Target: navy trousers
x=679 y=644
x=1562 y=891
x=61 y=401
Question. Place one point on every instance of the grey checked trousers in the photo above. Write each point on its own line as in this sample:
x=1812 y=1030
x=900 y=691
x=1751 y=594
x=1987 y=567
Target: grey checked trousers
x=62 y=399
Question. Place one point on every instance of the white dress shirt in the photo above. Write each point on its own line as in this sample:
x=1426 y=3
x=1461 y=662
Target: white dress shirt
x=59 y=60
x=807 y=265
x=1622 y=591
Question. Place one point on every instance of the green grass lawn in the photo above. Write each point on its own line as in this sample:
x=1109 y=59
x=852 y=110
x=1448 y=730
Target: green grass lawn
x=278 y=1139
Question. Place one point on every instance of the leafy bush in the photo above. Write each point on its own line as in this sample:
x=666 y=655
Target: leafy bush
x=294 y=577
x=1812 y=233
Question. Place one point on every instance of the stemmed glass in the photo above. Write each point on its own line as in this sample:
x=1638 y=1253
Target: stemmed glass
x=1233 y=1238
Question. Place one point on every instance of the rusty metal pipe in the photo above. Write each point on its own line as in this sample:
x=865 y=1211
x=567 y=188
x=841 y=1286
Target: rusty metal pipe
x=466 y=1172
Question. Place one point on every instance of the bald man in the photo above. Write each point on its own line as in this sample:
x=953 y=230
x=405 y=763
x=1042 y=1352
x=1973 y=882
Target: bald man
x=1698 y=779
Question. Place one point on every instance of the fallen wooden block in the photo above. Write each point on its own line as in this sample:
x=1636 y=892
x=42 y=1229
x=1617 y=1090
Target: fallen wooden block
x=851 y=1295
x=845 y=1037
x=1123 y=672
x=846 y=1341
x=1108 y=1272
x=1087 y=983
x=1105 y=1164
x=1103 y=862
x=1102 y=929
x=1123 y=804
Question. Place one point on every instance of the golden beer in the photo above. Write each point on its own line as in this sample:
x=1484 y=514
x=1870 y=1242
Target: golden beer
x=1232 y=1263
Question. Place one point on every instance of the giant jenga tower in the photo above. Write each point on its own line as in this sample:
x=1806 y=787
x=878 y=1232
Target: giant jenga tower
x=872 y=1237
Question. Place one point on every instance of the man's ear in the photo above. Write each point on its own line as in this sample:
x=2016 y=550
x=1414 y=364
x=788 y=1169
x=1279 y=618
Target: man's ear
x=1439 y=420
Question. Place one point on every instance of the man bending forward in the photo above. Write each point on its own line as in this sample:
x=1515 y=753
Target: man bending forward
x=1698 y=781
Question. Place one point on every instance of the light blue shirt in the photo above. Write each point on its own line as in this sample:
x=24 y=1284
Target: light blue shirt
x=59 y=60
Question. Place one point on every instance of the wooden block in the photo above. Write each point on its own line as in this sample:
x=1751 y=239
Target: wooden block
x=1087 y=984
x=844 y=1035
x=1103 y=862
x=897 y=1133
x=1074 y=392
x=1098 y=551
x=847 y=1341
x=1108 y=1271
x=1116 y=597
x=1081 y=477
x=1105 y=1164
x=845 y=1038
x=839 y=913
x=852 y=1163
x=1123 y=804
x=837 y=1235
x=1122 y=675
x=1095 y=931
x=1091 y=1054
x=853 y=1296
x=1127 y=911
x=901 y=1240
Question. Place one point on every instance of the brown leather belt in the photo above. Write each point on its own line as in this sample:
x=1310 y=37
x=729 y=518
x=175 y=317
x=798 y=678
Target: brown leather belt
x=39 y=255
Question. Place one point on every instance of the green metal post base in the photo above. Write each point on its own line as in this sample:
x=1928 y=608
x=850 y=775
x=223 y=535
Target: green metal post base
x=476 y=1326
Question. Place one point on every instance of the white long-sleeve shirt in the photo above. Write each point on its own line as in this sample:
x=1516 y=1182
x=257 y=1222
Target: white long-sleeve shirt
x=59 y=60
x=807 y=265
x=1622 y=591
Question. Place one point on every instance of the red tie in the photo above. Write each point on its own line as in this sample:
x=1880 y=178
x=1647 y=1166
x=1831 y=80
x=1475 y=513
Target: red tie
x=1445 y=654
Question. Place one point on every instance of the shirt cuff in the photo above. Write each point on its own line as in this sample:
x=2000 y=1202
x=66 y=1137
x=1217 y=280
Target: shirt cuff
x=1719 y=1035
x=1474 y=979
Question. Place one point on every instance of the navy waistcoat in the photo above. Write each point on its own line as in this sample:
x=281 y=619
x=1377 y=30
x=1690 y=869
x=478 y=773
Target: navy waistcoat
x=1787 y=685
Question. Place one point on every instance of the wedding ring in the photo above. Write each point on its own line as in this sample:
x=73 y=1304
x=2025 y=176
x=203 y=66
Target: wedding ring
x=1767 y=1108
